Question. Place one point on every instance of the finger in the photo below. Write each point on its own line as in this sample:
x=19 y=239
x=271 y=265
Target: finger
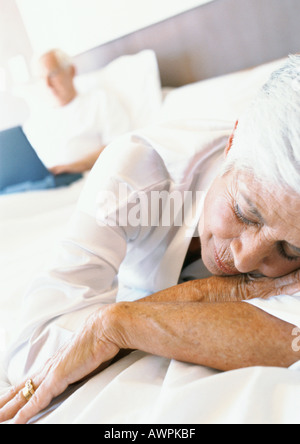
x=289 y=290
x=293 y=278
x=12 y=407
x=8 y=396
x=14 y=400
x=40 y=400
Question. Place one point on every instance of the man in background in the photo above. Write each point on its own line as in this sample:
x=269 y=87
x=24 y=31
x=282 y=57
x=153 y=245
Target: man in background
x=70 y=130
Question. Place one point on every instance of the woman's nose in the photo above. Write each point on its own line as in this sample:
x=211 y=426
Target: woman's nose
x=250 y=253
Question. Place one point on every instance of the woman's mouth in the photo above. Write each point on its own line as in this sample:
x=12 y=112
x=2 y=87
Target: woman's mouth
x=228 y=270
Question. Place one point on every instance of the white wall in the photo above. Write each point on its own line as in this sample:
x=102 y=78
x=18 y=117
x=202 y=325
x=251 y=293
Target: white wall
x=15 y=55
x=34 y=26
x=79 y=25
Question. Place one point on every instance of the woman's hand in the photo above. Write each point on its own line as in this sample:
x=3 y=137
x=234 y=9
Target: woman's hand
x=91 y=346
x=246 y=287
x=229 y=289
x=252 y=287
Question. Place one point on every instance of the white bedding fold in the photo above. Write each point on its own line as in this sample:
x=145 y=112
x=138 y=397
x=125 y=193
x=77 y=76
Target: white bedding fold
x=145 y=389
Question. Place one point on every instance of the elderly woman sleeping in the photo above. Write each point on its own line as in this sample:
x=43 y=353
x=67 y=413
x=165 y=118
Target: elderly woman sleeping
x=147 y=216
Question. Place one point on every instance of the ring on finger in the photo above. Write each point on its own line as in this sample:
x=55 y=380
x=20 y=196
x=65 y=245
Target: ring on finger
x=28 y=390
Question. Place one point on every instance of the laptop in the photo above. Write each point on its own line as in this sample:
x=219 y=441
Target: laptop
x=21 y=169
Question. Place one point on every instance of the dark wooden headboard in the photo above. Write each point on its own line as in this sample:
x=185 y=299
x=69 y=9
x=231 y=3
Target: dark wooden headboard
x=211 y=40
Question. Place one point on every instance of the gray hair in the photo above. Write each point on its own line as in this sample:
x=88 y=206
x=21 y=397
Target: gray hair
x=267 y=139
x=63 y=59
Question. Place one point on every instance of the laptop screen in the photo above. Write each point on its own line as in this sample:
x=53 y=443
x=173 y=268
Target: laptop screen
x=19 y=162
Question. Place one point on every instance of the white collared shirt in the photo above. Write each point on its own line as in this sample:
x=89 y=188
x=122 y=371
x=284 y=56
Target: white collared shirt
x=67 y=134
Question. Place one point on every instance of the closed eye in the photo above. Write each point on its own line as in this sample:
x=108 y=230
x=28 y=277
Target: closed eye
x=284 y=254
x=242 y=218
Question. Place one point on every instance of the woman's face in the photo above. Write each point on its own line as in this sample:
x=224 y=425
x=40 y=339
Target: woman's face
x=249 y=228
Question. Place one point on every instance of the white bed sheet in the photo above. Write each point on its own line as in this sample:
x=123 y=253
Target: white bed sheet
x=30 y=224
x=140 y=388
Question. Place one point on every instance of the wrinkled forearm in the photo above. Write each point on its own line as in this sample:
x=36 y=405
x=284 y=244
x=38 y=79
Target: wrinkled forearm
x=213 y=289
x=228 y=289
x=224 y=336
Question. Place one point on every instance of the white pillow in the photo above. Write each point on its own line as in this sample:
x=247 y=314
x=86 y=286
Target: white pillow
x=223 y=98
x=135 y=79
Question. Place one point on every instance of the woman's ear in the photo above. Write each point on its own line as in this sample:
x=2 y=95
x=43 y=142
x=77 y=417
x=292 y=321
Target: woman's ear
x=230 y=141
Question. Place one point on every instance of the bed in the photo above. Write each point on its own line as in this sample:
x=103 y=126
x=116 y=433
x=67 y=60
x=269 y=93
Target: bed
x=141 y=388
